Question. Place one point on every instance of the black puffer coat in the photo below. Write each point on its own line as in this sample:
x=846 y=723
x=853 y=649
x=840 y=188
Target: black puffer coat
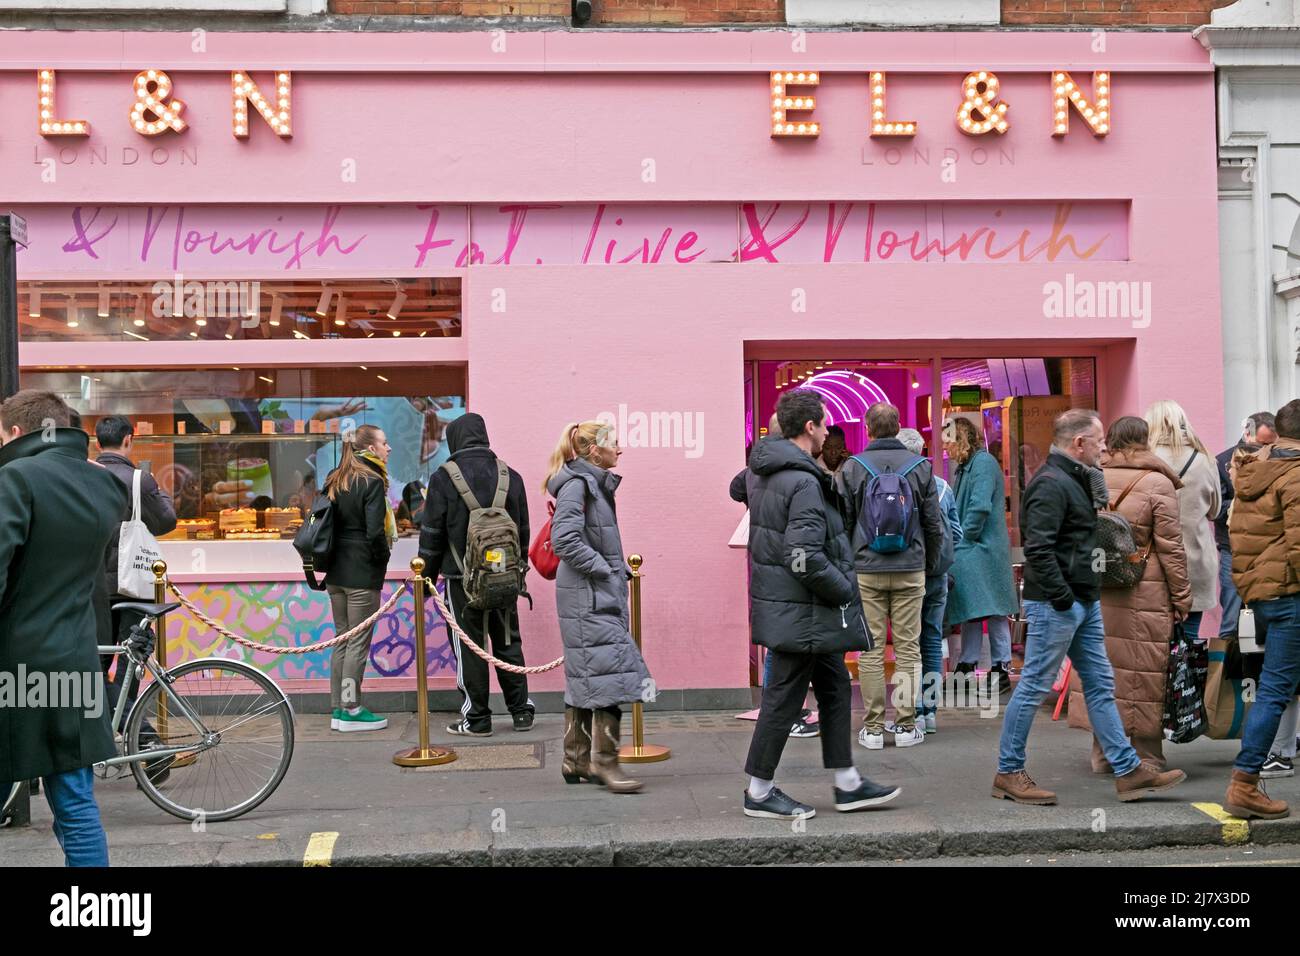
x=361 y=546
x=803 y=590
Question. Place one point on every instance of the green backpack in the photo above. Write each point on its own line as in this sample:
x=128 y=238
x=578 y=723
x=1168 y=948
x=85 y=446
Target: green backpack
x=493 y=566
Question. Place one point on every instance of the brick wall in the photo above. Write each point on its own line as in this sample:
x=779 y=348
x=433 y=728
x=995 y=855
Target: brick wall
x=1117 y=13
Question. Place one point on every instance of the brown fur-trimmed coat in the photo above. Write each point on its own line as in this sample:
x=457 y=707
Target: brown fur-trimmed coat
x=1139 y=620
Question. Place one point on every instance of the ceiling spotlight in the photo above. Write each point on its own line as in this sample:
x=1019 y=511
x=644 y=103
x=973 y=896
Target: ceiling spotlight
x=399 y=300
x=34 y=302
x=277 y=304
x=138 y=321
x=200 y=321
x=72 y=314
x=341 y=316
x=323 y=306
x=104 y=303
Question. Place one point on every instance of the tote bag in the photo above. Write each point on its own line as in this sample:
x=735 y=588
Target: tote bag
x=137 y=550
x=1229 y=688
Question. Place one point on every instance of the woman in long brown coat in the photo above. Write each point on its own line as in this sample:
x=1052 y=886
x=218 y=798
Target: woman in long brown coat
x=1140 y=620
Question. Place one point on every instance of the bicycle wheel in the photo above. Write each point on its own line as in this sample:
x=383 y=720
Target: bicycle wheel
x=241 y=759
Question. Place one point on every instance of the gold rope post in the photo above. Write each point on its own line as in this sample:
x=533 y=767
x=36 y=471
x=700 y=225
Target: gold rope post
x=639 y=751
x=423 y=755
x=159 y=569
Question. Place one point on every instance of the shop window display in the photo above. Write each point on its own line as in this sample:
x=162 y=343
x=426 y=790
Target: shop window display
x=246 y=467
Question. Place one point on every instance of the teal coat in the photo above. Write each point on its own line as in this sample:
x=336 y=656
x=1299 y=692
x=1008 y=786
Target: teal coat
x=981 y=566
x=58 y=513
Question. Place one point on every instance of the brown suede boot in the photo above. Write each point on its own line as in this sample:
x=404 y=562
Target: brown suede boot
x=1020 y=787
x=1246 y=798
x=604 y=754
x=577 y=746
x=1146 y=780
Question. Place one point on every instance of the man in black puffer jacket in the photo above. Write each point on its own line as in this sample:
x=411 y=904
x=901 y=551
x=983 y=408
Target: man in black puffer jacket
x=444 y=527
x=804 y=608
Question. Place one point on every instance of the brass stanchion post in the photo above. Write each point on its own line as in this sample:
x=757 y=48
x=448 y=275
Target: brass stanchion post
x=159 y=569
x=423 y=755
x=639 y=751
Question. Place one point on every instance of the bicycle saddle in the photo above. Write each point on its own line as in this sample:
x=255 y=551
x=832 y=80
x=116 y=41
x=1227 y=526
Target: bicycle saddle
x=148 y=610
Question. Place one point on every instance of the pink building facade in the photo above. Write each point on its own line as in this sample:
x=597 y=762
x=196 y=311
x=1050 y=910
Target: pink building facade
x=593 y=224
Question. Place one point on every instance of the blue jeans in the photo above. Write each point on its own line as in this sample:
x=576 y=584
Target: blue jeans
x=972 y=637
x=1053 y=634
x=1193 y=625
x=77 y=826
x=1277 y=684
x=1229 y=599
x=932 y=608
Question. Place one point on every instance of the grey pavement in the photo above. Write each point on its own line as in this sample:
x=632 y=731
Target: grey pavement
x=504 y=803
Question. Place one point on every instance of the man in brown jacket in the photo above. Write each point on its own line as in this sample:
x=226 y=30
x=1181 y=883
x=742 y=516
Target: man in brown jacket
x=1265 y=537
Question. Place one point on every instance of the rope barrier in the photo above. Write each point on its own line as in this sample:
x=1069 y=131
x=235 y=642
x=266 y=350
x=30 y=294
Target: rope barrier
x=276 y=649
x=464 y=639
x=368 y=622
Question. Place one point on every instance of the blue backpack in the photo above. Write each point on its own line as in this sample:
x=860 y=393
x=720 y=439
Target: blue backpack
x=887 y=512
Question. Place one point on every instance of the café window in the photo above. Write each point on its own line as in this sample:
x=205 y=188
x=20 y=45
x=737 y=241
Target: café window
x=1013 y=402
x=246 y=464
x=180 y=309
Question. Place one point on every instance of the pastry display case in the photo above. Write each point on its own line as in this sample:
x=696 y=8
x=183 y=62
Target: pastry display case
x=238 y=487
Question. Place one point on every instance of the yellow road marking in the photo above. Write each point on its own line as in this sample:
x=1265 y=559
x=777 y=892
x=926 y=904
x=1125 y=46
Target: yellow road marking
x=1235 y=829
x=319 y=849
x=267 y=836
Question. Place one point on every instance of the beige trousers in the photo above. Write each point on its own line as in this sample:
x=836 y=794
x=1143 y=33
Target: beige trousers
x=896 y=599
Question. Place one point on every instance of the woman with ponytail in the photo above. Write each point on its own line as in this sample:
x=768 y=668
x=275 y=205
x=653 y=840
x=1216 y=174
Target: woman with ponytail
x=364 y=533
x=602 y=666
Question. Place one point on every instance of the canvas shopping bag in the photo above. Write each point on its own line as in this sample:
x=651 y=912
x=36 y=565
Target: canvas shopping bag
x=137 y=550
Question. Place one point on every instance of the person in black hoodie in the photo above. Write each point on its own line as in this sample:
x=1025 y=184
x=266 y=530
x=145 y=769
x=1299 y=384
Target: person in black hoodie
x=804 y=608
x=364 y=533
x=443 y=532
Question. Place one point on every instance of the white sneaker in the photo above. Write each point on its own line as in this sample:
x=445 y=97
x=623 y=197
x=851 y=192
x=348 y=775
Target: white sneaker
x=871 y=741
x=910 y=738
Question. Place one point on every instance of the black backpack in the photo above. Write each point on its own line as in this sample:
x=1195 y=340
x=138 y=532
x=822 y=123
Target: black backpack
x=314 y=541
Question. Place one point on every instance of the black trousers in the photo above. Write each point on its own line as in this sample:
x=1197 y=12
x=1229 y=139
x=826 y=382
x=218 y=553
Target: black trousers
x=472 y=670
x=783 y=698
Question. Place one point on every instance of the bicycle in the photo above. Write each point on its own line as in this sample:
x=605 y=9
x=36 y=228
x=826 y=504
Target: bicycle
x=215 y=728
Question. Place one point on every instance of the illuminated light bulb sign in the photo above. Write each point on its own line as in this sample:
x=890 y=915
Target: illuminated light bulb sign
x=881 y=125
x=50 y=125
x=279 y=117
x=1066 y=94
x=154 y=112
x=782 y=101
x=980 y=111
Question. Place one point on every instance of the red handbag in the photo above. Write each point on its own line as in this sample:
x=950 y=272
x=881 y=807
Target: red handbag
x=540 y=553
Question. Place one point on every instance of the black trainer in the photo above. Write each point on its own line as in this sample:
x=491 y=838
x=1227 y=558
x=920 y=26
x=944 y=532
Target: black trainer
x=1277 y=766
x=523 y=720
x=805 y=726
x=777 y=806
x=867 y=794
x=463 y=728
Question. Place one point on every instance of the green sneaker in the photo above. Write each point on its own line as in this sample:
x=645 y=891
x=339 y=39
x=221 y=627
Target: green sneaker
x=361 y=720
x=334 y=718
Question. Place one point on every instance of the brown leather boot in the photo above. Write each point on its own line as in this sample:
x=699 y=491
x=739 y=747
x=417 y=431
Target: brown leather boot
x=604 y=754
x=1020 y=787
x=1151 y=751
x=1146 y=780
x=1246 y=798
x=577 y=746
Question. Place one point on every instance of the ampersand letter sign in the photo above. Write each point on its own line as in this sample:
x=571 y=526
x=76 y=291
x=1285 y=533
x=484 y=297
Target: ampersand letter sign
x=45 y=104
x=280 y=118
x=980 y=110
x=153 y=113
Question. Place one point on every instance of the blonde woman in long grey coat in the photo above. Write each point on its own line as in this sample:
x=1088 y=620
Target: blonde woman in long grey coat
x=1174 y=441
x=602 y=666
